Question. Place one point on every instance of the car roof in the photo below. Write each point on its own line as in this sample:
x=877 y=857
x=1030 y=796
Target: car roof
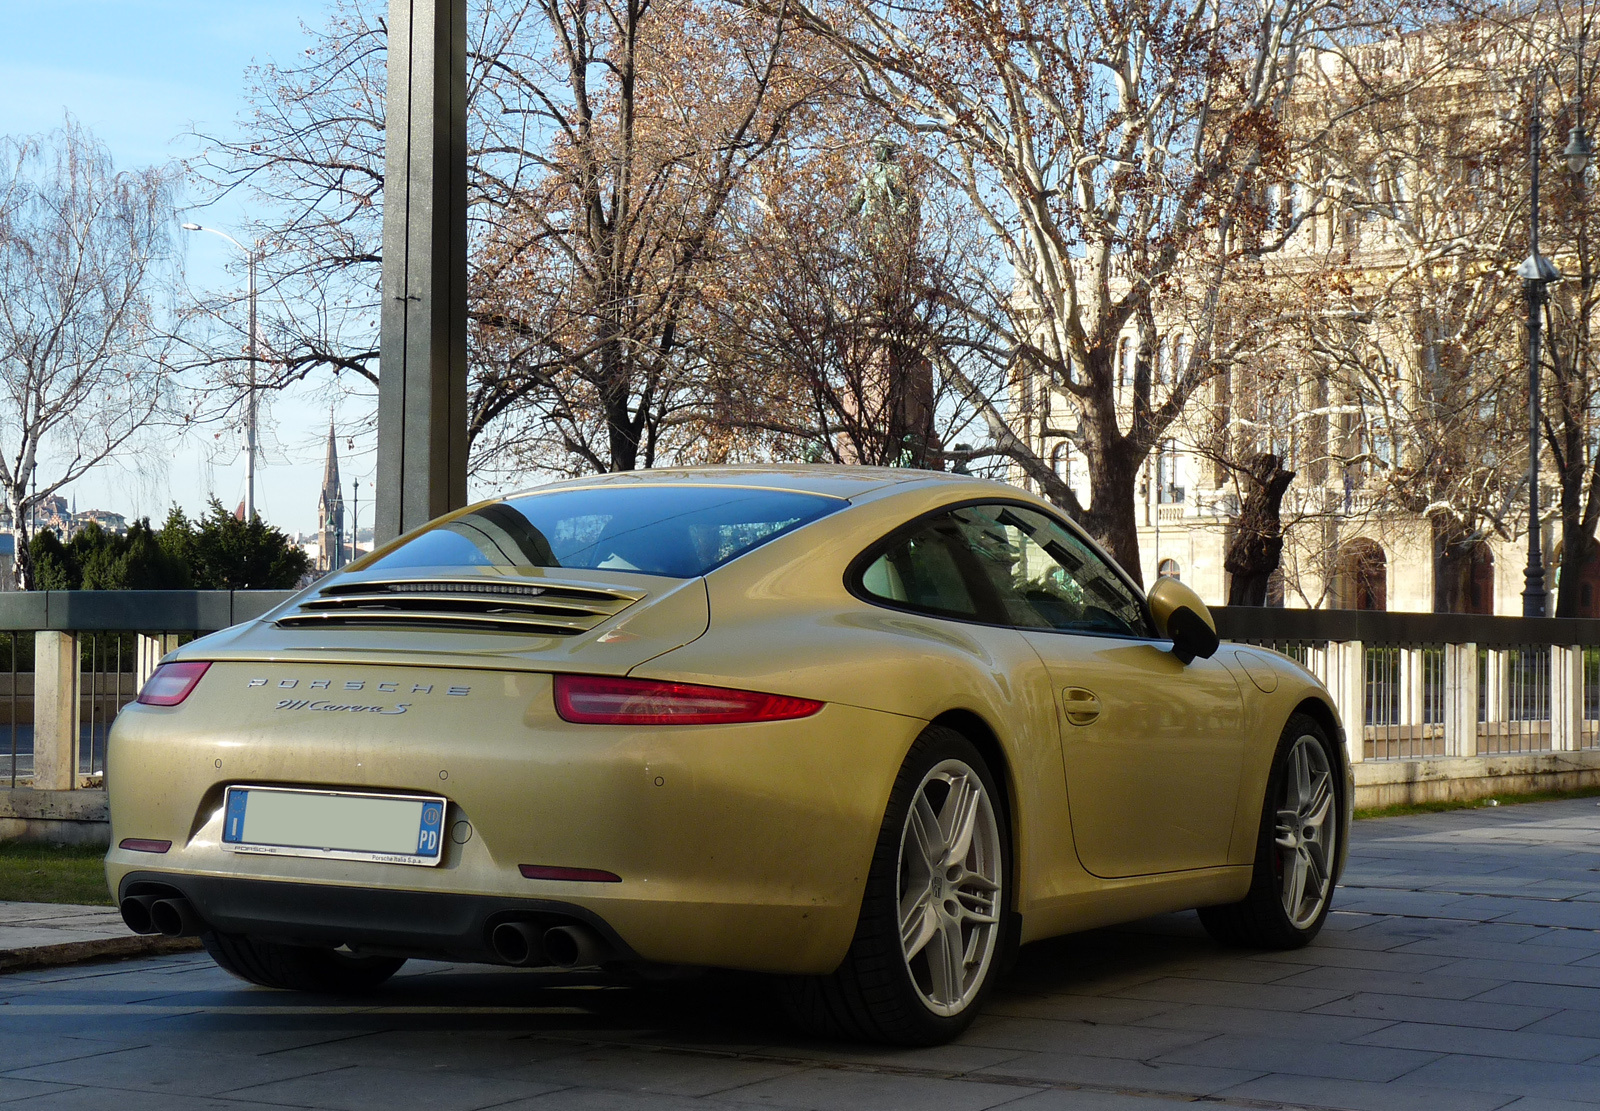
x=827 y=479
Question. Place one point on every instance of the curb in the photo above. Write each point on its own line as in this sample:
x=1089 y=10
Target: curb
x=96 y=949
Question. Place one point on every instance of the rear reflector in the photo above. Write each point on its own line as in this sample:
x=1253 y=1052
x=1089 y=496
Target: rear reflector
x=584 y=875
x=140 y=845
x=599 y=700
x=170 y=684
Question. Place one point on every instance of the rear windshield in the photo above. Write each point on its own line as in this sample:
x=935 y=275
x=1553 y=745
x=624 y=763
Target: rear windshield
x=680 y=531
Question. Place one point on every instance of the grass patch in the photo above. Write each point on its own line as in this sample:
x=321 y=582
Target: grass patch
x=1402 y=809
x=53 y=874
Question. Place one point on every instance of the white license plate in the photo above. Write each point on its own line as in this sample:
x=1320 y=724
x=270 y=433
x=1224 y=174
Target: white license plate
x=336 y=825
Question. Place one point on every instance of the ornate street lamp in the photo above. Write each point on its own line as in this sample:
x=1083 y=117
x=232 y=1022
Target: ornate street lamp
x=1537 y=274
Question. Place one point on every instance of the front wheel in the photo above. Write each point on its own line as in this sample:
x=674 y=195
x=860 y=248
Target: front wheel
x=272 y=964
x=932 y=918
x=1296 y=851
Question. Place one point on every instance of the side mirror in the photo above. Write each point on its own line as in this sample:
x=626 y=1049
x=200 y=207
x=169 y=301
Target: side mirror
x=1182 y=617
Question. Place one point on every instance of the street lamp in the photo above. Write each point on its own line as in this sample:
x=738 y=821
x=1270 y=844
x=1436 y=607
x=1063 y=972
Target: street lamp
x=250 y=396
x=1537 y=274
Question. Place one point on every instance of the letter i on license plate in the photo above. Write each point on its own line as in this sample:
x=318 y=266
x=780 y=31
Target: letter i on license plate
x=337 y=825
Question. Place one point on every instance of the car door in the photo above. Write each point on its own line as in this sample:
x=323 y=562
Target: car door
x=1152 y=747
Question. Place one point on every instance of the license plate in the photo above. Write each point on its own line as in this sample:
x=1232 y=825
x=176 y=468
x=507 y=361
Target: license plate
x=335 y=825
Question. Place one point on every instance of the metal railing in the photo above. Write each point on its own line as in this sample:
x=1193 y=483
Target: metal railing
x=1409 y=686
x=1416 y=686
x=75 y=658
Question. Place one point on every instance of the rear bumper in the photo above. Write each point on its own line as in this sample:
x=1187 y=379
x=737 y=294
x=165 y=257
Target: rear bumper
x=737 y=846
x=434 y=925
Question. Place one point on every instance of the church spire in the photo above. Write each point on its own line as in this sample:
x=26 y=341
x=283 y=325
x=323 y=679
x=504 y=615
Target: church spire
x=330 y=512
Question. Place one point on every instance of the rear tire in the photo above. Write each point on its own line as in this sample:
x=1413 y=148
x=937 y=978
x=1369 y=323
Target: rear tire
x=1297 y=848
x=272 y=964
x=931 y=935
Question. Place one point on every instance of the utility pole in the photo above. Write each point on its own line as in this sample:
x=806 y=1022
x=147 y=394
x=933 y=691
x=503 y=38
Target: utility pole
x=422 y=385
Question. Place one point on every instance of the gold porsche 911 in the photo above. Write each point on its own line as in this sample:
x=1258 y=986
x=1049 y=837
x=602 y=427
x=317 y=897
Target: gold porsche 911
x=867 y=729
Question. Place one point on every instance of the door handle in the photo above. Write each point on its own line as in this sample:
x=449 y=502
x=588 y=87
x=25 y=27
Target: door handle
x=1082 y=706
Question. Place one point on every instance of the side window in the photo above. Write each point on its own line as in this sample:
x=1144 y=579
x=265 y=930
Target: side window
x=925 y=571
x=1044 y=577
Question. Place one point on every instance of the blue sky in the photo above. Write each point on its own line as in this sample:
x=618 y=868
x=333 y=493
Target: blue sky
x=143 y=74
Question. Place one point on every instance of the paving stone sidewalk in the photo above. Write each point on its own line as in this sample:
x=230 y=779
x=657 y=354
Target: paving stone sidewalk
x=38 y=934
x=1461 y=971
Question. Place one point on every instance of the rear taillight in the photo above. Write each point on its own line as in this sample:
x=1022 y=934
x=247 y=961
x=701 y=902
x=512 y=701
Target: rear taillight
x=597 y=700
x=171 y=683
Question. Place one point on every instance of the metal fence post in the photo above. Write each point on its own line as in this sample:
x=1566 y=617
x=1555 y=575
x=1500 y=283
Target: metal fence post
x=1566 y=699
x=55 y=711
x=1461 y=699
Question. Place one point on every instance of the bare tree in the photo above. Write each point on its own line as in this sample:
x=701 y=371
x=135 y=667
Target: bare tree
x=83 y=349
x=638 y=129
x=1118 y=154
x=605 y=139
x=854 y=264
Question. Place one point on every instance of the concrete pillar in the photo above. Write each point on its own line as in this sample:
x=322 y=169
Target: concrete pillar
x=1347 y=667
x=1494 y=678
x=55 y=711
x=422 y=382
x=151 y=648
x=1566 y=699
x=1410 y=687
x=1461 y=699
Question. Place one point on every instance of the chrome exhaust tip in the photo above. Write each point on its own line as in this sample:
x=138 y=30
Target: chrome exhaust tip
x=517 y=943
x=175 y=917
x=136 y=913
x=575 y=946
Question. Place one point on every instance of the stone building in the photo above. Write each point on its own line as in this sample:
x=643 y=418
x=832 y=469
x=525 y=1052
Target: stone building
x=1368 y=332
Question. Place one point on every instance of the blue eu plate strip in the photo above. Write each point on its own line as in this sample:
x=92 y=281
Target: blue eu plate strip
x=430 y=835
x=233 y=823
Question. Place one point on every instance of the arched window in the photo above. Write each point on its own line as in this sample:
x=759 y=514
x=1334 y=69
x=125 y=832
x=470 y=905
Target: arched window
x=1061 y=461
x=1169 y=570
x=1180 y=357
x=1363 y=576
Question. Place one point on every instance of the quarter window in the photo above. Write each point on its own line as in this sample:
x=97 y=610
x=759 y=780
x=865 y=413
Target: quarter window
x=1043 y=577
x=926 y=571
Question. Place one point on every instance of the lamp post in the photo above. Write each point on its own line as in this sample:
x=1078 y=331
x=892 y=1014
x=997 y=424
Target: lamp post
x=250 y=396
x=1536 y=272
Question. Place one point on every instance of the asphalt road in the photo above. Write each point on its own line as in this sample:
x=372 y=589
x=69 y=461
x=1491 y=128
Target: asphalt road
x=1460 y=971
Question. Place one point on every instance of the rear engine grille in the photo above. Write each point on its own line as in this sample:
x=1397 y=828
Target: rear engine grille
x=543 y=609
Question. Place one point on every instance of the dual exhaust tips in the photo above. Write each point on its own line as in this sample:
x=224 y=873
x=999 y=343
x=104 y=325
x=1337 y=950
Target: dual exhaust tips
x=525 y=944
x=168 y=915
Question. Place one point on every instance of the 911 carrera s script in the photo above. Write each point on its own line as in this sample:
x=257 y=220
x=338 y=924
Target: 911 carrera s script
x=335 y=707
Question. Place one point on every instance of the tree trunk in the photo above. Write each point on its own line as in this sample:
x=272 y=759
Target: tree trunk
x=1257 y=545
x=1578 y=550
x=22 y=561
x=1112 y=516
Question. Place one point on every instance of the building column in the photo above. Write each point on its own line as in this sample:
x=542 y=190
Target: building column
x=422 y=384
x=55 y=711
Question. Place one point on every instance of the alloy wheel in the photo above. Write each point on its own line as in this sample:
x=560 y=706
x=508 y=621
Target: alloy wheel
x=1305 y=832
x=950 y=876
